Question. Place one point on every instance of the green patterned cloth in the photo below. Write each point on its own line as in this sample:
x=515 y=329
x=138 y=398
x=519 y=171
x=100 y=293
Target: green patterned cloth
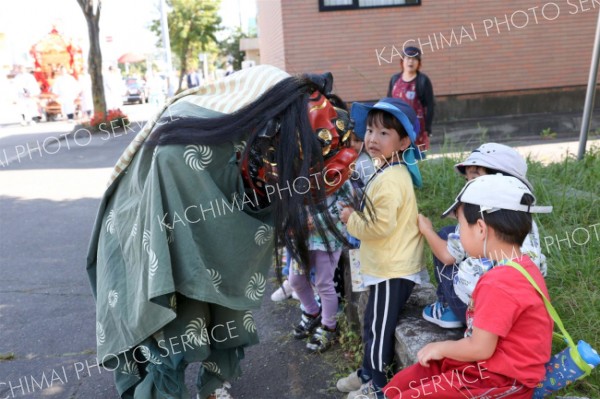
x=177 y=261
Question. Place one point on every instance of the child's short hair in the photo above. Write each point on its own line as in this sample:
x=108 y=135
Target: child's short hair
x=377 y=117
x=504 y=202
x=510 y=226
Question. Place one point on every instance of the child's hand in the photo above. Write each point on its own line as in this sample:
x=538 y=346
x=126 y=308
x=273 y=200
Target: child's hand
x=424 y=223
x=345 y=213
x=429 y=352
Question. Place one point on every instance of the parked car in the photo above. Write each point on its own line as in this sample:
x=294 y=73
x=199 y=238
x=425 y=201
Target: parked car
x=136 y=91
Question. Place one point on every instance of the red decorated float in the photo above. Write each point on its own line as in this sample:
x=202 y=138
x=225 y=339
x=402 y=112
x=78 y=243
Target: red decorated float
x=49 y=54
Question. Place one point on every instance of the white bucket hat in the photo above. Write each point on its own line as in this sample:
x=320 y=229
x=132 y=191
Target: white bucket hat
x=495 y=192
x=498 y=157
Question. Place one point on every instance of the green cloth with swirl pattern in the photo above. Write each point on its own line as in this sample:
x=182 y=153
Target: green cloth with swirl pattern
x=177 y=260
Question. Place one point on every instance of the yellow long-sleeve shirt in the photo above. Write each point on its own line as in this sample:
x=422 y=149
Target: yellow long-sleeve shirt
x=391 y=244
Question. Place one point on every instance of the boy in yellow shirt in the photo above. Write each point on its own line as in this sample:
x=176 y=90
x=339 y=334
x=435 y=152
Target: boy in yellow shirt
x=391 y=251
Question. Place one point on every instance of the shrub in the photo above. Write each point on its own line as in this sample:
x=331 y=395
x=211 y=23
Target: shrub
x=115 y=118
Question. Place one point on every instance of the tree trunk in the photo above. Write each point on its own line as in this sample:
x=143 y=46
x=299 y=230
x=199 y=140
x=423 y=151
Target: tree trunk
x=95 y=66
x=185 y=48
x=92 y=18
x=181 y=75
x=183 y=68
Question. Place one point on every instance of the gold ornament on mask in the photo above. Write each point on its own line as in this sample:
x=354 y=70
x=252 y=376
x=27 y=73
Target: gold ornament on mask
x=326 y=136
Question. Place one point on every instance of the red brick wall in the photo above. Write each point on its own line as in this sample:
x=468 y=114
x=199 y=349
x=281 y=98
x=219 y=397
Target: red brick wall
x=549 y=53
x=270 y=33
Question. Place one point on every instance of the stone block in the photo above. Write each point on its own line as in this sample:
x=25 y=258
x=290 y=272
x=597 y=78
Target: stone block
x=413 y=332
x=422 y=296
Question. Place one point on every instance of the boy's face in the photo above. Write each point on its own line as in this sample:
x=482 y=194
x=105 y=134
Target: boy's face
x=472 y=172
x=470 y=235
x=382 y=142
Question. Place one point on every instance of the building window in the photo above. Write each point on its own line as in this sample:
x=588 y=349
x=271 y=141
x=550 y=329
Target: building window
x=336 y=5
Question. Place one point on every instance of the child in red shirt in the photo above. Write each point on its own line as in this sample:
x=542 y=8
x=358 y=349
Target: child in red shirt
x=509 y=331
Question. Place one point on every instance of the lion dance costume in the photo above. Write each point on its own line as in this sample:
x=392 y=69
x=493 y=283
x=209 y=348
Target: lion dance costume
x=186 y=230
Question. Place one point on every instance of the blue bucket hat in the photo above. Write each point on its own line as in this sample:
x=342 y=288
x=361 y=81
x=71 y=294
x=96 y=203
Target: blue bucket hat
x=406 y=116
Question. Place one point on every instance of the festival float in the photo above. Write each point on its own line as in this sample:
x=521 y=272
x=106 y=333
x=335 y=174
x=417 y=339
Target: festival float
x=49 y=54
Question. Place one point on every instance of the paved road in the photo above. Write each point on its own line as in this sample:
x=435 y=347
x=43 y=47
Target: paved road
x=49 y=198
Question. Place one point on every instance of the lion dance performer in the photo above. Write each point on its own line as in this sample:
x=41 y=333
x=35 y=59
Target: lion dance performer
x=188 y=226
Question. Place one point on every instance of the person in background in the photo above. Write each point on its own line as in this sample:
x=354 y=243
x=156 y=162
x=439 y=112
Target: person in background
x=415 y=88
x=28 y=91
x=67 y=90
x=192 y=79
x=114 y=88
x=156 y=90
x=87 y=99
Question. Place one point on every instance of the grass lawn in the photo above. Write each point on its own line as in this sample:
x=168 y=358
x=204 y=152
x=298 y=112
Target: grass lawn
x=570 y=239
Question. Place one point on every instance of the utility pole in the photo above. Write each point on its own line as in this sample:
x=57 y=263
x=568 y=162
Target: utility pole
x=164 y=25
x=588 y=108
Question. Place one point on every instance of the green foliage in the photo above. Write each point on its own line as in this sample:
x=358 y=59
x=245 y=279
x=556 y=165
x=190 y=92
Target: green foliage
x=484 y=133
x=230 y=48
x=7 y=356
x=352 y=347
x=136 y=69
x=547 y=133
x=192 y=28
x=573 y=188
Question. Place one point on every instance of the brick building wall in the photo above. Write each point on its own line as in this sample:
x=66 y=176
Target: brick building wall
x=498 y=46
x=270 y=33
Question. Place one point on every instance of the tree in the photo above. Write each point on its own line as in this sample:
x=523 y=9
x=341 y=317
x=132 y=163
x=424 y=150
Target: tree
x=192 y=27
x=231 y=48
x=91 y=12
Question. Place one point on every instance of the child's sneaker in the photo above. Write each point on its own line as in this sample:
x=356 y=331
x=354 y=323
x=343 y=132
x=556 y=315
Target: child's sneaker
x=441 y=315
x=220 y=393
x=295 y=296
x=366 y=391
x=322 y=339
x=283 y=292
x=351 y=383
x=307 y=325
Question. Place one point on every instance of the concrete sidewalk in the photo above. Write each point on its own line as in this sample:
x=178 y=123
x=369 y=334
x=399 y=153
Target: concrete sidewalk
x=542 y=150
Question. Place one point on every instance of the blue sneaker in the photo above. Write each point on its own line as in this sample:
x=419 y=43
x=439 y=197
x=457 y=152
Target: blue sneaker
x=441 y=315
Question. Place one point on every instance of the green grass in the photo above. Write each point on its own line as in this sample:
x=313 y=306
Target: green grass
x=573 y=188
x=547 y=133
x=351 y=347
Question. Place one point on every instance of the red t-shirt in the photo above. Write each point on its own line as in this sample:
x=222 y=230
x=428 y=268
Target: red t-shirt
x=506 y=304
